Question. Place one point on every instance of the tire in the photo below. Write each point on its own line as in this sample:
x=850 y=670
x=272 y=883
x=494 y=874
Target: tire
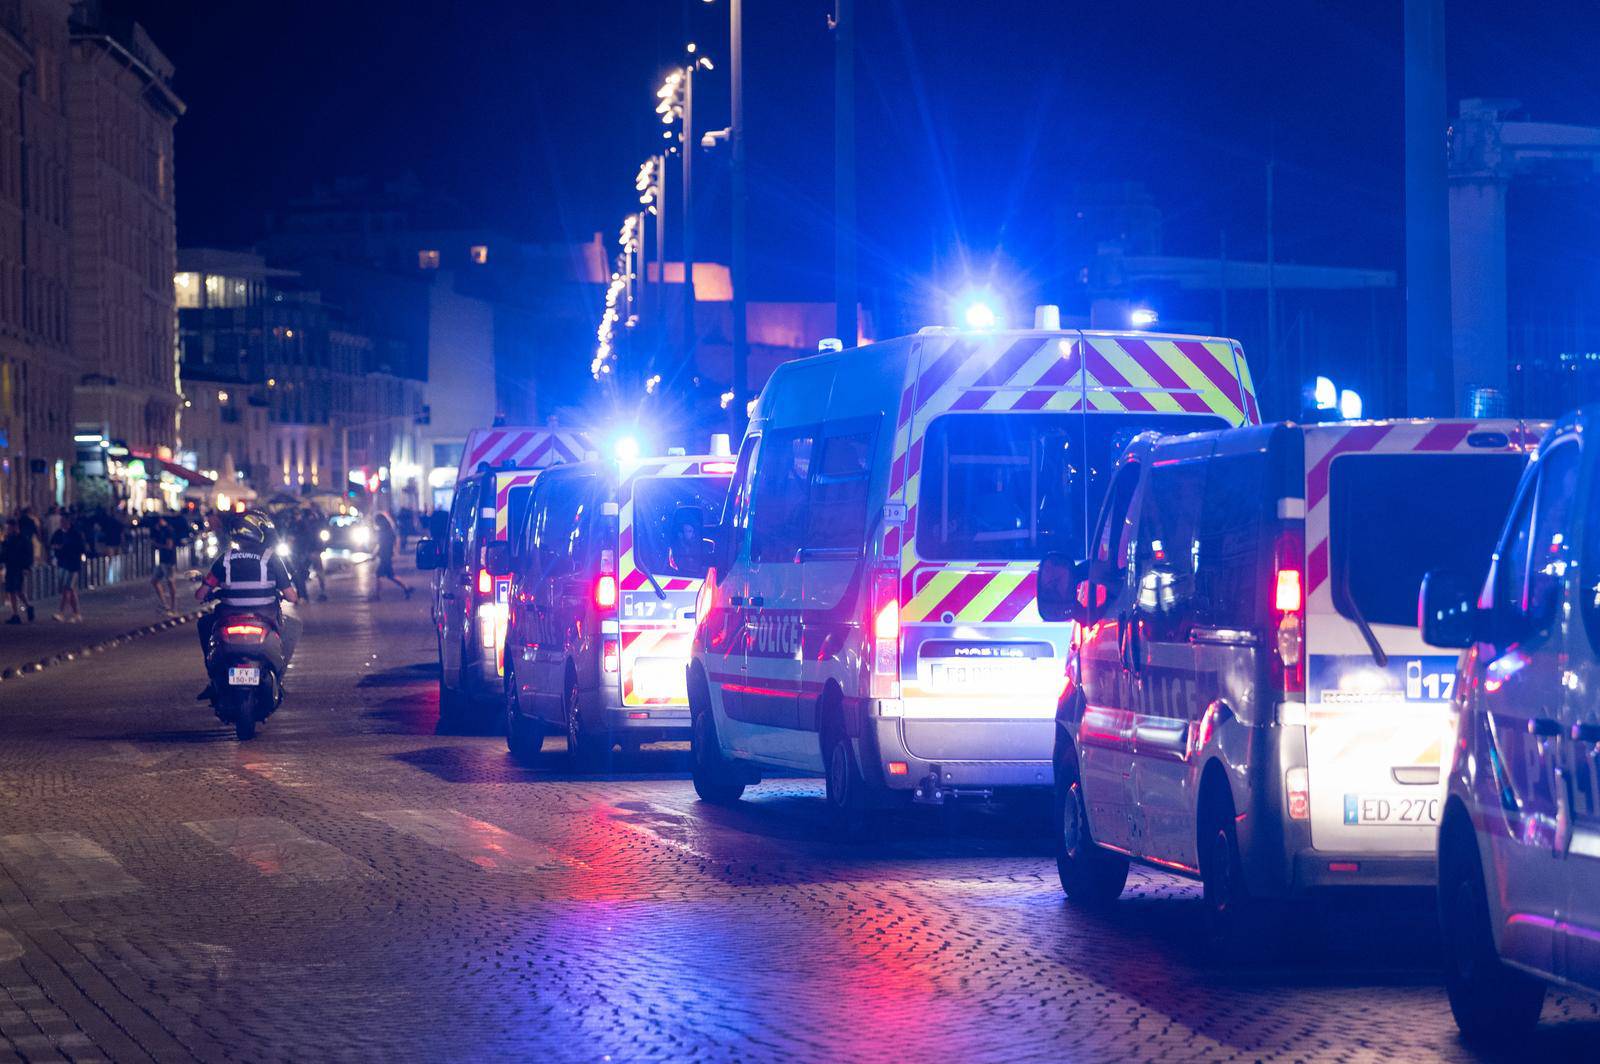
x=1493 y=1003
x=715 y=780
x=1091 y=876
x=585 y=748
x=244 y=718
x=524 y=738
x=846 y=791
x=1238 y=926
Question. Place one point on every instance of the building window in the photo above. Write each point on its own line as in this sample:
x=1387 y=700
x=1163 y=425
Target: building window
x=428 y=259
x=480 y=253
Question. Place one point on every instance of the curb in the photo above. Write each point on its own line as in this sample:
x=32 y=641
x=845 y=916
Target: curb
x=14 y=672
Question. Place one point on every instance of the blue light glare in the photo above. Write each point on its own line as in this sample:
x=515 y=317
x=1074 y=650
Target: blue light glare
x=1350 y=405
x=1324 y=394
x=978 y=312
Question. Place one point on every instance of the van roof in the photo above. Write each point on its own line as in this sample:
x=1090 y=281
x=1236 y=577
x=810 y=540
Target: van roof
x=1431 y=434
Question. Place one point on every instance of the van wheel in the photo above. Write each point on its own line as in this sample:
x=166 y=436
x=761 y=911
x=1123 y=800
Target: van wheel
x=454 y=705
x=1090 y=875
x=1238 y=926
x=524 y=738
x=846 y=790
x=1492 y=1002
x=586 y=749
x=715 y=780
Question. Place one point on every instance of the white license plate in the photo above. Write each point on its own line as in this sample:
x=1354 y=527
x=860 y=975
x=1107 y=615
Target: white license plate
x=661 y=678
x=1391 y=810
x=244 y=675
x=965 y=677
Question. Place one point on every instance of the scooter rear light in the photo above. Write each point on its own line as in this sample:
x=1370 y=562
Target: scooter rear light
x=244 y=630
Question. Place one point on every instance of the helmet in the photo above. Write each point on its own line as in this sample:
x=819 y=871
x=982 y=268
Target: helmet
x=251 y=529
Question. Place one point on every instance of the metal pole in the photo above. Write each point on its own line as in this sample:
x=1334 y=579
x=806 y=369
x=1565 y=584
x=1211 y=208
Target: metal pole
x=741 y=349
x=1429 y=366
x=687 y=149
x=1289 y=386
x=660 y=322
x=844 y=171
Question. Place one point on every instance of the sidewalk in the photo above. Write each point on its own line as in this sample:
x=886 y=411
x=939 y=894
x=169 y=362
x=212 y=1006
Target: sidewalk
x=113 y=612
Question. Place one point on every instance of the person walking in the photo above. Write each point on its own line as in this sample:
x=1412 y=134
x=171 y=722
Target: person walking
x=388 y=538
x=164 y=538
x=408 y=526
x=16 y=554
x=305 y=537
x=69 y=548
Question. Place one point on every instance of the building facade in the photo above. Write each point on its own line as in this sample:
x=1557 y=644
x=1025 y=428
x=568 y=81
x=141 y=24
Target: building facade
x=36 y=371
x=122 y=219
x=286 y=395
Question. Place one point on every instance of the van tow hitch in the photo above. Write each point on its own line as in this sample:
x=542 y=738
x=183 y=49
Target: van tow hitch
x=930 y=791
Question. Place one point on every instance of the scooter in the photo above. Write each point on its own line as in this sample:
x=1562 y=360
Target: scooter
x=245 y=662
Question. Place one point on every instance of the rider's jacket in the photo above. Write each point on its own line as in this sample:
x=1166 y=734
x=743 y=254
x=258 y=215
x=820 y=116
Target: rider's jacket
x=248 y=578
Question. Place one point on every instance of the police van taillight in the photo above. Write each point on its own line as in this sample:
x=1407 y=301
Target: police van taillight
x=884 y=626
x=605 y=604
x=1288 y=614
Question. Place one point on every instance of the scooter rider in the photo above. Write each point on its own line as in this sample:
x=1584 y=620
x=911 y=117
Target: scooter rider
x=248 y=577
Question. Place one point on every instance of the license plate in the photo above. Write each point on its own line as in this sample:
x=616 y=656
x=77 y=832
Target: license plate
x=661 y=678
x=244 y=675
x=977 y=677
x=1389 y=810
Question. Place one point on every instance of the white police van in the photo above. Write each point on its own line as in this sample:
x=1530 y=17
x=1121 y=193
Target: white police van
x=870 y=612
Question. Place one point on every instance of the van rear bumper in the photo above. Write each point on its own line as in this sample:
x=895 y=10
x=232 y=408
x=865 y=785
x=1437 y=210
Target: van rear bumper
x=1031 y=767
x=1315 y=869
x=659 y=719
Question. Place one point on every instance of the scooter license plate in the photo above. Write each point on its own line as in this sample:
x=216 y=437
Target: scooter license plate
x=244 y=675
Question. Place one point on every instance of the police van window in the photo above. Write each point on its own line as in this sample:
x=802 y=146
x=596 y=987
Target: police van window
x=463 y=516
x=778 y=500
x=1167 y=549
x=660 y=547
x=1394 y=517
x=1538 y=549
x=836 y=515
x=1111 y=535
x=1228 y=576
x=1011 y=486
x=736 y=511
x=517 y=508
x=558 y=520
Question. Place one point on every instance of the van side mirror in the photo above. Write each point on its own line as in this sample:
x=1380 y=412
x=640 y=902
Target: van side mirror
x=427 y=555
x=1066 y=591
x=1447 y=611
x=497 y=558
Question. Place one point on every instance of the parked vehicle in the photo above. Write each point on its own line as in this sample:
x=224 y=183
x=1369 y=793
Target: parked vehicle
x=871 y=614
x=604 y=575
x=1519 y=841
x=498 y=470
x=1248 y=701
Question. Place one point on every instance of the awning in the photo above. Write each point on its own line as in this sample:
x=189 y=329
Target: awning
x=182 y=472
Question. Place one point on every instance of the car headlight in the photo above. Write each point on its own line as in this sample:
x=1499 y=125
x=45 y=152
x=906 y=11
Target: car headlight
x=324 y=535
x=360 y=536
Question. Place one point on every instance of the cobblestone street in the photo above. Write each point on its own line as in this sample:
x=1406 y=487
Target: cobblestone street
x=355 y=885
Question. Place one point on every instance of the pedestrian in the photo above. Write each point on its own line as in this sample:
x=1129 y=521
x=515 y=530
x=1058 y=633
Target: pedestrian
x=69 y=548
x=439 y=525
x=305 y=536
x=164 y=538
x=29 y=526
x=52 y=522
x=388 y=537
x=16 y=554
x=112 y=532
x=408 y=526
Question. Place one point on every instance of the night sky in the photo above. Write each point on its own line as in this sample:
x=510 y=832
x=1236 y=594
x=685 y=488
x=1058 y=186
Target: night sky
x=976 y=119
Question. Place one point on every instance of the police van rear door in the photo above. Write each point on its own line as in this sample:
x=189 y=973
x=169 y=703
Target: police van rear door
x=1386 y=502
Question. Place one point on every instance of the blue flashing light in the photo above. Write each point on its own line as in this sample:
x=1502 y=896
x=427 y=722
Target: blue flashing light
x=1325 y=395
x=979 y=314
x=1350 y=405
x=1143 y=317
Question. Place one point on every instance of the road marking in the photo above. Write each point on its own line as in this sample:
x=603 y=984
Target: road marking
x=279 y=849
x=59 y=866
x=491 y=848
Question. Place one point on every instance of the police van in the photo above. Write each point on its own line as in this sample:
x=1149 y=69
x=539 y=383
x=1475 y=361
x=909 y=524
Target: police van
x=498 y=469
x=1249 y=700
x=603 y=580
x=871 y=611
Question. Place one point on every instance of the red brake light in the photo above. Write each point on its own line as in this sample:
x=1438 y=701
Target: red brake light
x=885 y=618
x=605 y=592
x=724 y=468
x=1288 y=597
x=245 y=628
x=485 y=582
